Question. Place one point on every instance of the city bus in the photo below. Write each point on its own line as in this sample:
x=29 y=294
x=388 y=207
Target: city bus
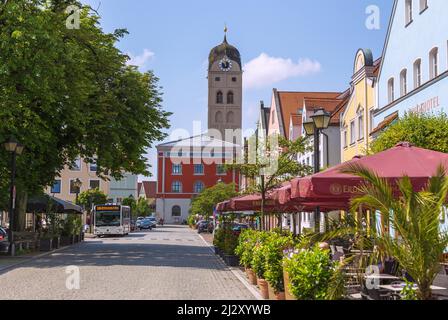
x=113 y=220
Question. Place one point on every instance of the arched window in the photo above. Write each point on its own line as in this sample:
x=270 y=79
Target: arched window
x=408 y=11
x=360 y=114
x=198 y=187
x=403 y=82
x=423 y=5
x=230 y=117
x=219 y=98
x=176 y=187
x=176 y=211
x=218 y=117
x=391 y=90
x=230 y=97
x=417 y=73
x=434 y=63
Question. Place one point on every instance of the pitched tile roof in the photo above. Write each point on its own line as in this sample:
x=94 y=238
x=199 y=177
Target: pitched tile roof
x=291 y=102
x=150 y=189
x=385 y=123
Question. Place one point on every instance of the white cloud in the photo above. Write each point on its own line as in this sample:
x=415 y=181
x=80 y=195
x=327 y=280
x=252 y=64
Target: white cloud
x=140 y=60
x=264 y=71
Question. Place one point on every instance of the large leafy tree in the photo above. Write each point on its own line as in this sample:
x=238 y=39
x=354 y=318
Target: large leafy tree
x=69 y=92
x=205 y=202
x=427 y=131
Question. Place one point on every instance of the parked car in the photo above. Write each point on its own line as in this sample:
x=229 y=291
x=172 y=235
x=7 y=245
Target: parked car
x=239 y=227
x=145 y=224
x=202 y=226
x=4 y=243
x=153 y=221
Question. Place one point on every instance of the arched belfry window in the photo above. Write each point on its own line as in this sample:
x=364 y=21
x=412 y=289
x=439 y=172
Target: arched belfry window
x=219 y=97
x=218 y=117
x=230 y=117
x=230 y=97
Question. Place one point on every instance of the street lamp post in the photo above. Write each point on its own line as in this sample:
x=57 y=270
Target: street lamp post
x=314 y=127
x=77 y=184
x=15 y=148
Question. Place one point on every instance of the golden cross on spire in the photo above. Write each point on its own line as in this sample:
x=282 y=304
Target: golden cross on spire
x=225 y=28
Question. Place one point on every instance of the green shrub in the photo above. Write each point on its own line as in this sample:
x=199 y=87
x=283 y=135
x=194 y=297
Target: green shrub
x=218 y=240
x=259 y=254
x=230 y=241
x=274 y=246
x=310 y=273
x=245 y=247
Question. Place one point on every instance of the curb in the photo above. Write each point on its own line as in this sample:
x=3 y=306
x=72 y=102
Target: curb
x=36 y=257
x=236 y=272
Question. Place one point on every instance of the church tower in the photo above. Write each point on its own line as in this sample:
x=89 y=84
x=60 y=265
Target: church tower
x=225 y=88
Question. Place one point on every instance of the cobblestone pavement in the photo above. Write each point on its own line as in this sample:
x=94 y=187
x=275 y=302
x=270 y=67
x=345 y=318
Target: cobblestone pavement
x=171 y=263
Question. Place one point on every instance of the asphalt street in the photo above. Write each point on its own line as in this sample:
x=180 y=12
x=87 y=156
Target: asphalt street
x=171 y=262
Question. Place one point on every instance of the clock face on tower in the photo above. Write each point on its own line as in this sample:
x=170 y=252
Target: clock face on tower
x=225 y=64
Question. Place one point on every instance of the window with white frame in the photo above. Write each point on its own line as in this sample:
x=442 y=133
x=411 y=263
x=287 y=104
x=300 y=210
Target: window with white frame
x=76 y=165
x=93 y=167
x=408 y=12
x=177 y=169
x=423 y=5
x=221 y=170
x=198 y=187
x=361 y=124
x=352 y=132
x=434 y=63
x=176 y=187
x=417 y=73
x=57 y=186
x=94 y=184
x=403 y=82
x=390 y=90
x=344 y=138
x=371 y=118
x=198 y=169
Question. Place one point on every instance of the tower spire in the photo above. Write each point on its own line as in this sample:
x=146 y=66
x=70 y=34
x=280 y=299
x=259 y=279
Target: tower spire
x=225 y=33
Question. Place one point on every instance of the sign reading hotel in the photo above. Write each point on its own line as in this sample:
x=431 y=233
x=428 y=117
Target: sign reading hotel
x=426 y=106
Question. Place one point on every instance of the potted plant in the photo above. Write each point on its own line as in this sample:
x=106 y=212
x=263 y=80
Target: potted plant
x=218 y=241
x=273 y=249
x=310 y=273
x=244 y=251
x=230 y=244
x=259 y=264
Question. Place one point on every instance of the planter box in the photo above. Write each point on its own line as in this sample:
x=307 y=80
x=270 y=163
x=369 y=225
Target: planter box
x=56 y=242
x=45 y=245
x=231 y=260
x=217 y=251
x=76 y=238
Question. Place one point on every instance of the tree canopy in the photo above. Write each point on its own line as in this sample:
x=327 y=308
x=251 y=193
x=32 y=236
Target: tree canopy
x=69 y=93
x=92 y=197
x=205 y=202
x=427 y=131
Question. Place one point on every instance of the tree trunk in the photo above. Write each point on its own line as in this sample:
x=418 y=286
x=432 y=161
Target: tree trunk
x=20 y=211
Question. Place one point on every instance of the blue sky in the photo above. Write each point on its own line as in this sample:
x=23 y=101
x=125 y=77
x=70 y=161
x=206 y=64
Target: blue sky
x=295 y=45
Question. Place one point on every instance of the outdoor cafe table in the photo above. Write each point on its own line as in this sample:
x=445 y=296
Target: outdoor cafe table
x=399 y=288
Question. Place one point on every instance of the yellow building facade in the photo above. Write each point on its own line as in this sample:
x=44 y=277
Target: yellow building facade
x=357 y=119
